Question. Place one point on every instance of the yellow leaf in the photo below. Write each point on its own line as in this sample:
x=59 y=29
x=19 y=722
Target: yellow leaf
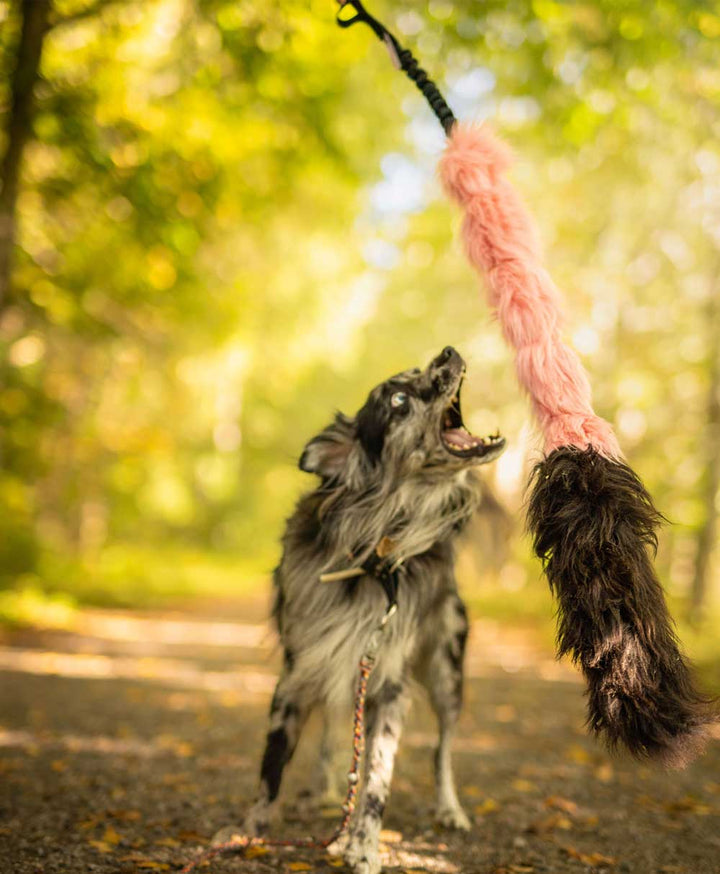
x=524 y=786
x=334 y=861
x=59 y=766
x=578 y=754
x=488 y=806
x=111 y=836
x=254 y=852
x=167 y=842
x=390 y=837
x=473 y=791
x=596 y=859
x=604 y=773
x=102 y=846
x=149 y=865
x=300 y=866
x=560 y=803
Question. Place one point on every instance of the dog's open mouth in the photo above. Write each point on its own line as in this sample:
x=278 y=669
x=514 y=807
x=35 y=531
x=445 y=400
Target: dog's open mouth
x=456 y=438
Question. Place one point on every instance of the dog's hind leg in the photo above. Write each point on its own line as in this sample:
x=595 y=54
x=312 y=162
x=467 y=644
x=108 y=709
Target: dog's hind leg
x=288 y=713
x=443 y=678
x=328 y=784
x=385 y=712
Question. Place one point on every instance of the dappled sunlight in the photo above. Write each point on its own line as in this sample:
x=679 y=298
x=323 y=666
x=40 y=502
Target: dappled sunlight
x=172 y=630
x=173 y=672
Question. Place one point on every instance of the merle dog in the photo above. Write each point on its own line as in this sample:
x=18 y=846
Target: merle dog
x=400 y=475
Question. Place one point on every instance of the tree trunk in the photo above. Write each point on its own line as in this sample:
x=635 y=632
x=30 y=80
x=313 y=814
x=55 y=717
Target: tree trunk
x=35 y=15
x=711 y=451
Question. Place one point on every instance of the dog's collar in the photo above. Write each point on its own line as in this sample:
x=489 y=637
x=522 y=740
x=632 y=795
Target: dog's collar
x=376 y=565
x=386 y=574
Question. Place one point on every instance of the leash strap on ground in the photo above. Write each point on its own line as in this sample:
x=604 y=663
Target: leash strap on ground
x=365 y=668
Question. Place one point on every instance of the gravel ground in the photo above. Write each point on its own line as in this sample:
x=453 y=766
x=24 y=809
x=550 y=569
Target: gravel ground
x=125 y=744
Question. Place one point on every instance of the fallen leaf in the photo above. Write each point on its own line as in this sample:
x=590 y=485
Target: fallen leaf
x=550 y=823
x=688 y=804
x=604 y=773
x=578 y=754
x=191 y=837
x=560 y=803
x=596 y=859
x=488 y=806
x=390 y=837
x=254 y=852
x=59 y=765
x=101 y=846
x=299 y=866
x=150 y=865
x=167 y=842
x=524 y=786
x=111 y=836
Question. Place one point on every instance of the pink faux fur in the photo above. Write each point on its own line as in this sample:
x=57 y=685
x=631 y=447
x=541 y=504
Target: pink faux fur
x=502 y=243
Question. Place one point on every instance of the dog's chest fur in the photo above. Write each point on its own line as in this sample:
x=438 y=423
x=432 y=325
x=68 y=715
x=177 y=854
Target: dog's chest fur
x=324 y=627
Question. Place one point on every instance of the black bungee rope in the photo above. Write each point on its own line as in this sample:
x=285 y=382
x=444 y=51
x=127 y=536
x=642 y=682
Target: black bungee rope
x=402 y=58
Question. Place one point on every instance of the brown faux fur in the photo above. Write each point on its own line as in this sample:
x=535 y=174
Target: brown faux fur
x=594 y=525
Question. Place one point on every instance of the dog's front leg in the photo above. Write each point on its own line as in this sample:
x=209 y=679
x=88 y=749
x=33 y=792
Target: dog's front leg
x=385 y=712
x=288 y=713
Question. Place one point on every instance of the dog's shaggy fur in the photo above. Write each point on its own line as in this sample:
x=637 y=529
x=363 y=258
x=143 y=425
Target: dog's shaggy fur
x=399 y=472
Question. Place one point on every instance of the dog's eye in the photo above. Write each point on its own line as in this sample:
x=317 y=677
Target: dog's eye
x=399 y=399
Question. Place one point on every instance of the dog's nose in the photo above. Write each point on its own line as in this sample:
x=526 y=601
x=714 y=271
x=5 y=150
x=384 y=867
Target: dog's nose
x=445 y=356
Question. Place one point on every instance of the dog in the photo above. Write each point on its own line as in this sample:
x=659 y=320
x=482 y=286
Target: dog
x=396 y=486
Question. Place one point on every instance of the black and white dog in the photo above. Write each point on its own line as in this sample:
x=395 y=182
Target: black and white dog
x=398 y=474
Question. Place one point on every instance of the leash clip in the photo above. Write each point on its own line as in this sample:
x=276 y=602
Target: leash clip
x=373 y=646
x=361 y=14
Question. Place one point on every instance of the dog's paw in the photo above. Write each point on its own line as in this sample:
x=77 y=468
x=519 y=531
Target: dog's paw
x=339 y=845
x=255 y=824
x=453 y=818
x=362 y=857
x=228 y=834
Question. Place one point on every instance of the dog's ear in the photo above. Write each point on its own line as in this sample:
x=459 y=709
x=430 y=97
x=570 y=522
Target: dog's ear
x=328 y=452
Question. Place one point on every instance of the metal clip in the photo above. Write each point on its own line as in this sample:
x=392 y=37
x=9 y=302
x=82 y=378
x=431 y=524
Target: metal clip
x=361 y=14
x=373 y=646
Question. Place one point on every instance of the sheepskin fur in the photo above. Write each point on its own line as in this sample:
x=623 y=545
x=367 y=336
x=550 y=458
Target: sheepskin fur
x=591 y=518
x=502 y=243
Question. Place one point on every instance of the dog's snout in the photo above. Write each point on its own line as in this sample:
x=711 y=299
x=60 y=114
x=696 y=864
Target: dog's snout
x=449 y=357
x=445 y=356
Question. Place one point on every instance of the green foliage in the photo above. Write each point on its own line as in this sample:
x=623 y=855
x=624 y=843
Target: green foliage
x=229 y=226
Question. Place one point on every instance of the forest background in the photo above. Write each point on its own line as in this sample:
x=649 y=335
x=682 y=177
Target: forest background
x=220 y=221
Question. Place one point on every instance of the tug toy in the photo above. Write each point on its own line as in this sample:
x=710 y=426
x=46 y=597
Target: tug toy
x=592 y=520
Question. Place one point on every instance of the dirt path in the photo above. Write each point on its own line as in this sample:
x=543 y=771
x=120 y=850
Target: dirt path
x=125 y=744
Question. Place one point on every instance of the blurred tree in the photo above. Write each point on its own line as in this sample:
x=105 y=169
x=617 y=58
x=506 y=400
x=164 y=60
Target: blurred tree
x=227 y=224
x=34 y=15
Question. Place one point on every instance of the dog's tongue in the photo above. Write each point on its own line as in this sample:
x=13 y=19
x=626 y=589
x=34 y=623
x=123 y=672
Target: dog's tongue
x=460 y=439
